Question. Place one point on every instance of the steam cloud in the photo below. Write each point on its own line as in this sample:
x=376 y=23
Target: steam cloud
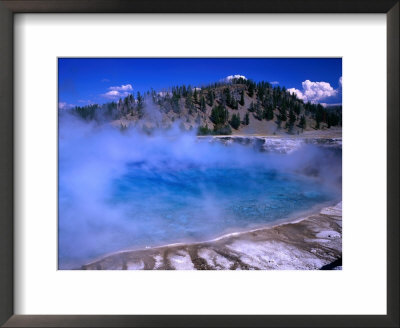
x=93 y=157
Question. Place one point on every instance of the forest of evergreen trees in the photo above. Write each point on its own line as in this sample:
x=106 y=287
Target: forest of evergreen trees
x=219 y=103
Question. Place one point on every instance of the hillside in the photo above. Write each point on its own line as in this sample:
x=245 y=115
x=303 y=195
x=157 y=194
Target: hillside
x=239 y=106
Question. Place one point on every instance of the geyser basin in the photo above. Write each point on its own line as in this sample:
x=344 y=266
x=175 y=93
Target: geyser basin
x=199 y=203
x=132 y=191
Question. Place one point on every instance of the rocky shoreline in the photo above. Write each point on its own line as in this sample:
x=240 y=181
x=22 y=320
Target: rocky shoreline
x=276 y=144
x=310 y=243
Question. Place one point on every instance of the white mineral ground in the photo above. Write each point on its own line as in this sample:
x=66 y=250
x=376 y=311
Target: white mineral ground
x=307 y=243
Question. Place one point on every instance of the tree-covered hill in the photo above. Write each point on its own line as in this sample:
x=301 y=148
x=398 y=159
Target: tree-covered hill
x=239 y=106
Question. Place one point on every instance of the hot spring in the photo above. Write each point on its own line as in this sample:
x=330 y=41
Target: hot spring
x=132 y=191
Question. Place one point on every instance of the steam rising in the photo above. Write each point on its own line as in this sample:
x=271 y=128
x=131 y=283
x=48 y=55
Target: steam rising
x=121 y=190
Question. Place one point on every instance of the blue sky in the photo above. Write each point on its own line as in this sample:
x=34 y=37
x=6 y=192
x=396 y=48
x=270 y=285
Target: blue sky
x=83 y=81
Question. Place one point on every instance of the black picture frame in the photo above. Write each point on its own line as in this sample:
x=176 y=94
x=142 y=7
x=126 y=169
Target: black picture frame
x=10 y=7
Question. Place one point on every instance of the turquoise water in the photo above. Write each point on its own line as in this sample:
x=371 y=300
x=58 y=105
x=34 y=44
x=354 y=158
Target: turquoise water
x=192 y=204
x=158 y=196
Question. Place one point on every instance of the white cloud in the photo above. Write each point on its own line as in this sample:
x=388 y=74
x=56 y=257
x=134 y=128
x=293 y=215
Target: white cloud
x=340 y=82
x=236 y=76
x=274 y=82
x=113 y=94
x=314 y=91
x=64 y=105
x=126 y=87
x=297 y=92
x=118 y=91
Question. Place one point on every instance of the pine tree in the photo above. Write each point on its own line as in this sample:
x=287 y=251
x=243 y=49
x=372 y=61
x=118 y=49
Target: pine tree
x=320 y=114
x=219 y=115
x=302 y=123
x=279 y=121
x=204 y=130
x=269 y=115
x=246 y=119
x=235 y=121
x=282 y=114
x=297 y=108
x=211 y=98
x=258 y=112
x=202 y=104
x=251 y=90
x=234 y=103
x=292 y=120
x=228 y=99
x=189 y=101
x=140 y=105
x=242 y=98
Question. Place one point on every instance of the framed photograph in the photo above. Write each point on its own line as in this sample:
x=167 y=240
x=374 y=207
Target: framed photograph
x=238 y=161
x=199 y=164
